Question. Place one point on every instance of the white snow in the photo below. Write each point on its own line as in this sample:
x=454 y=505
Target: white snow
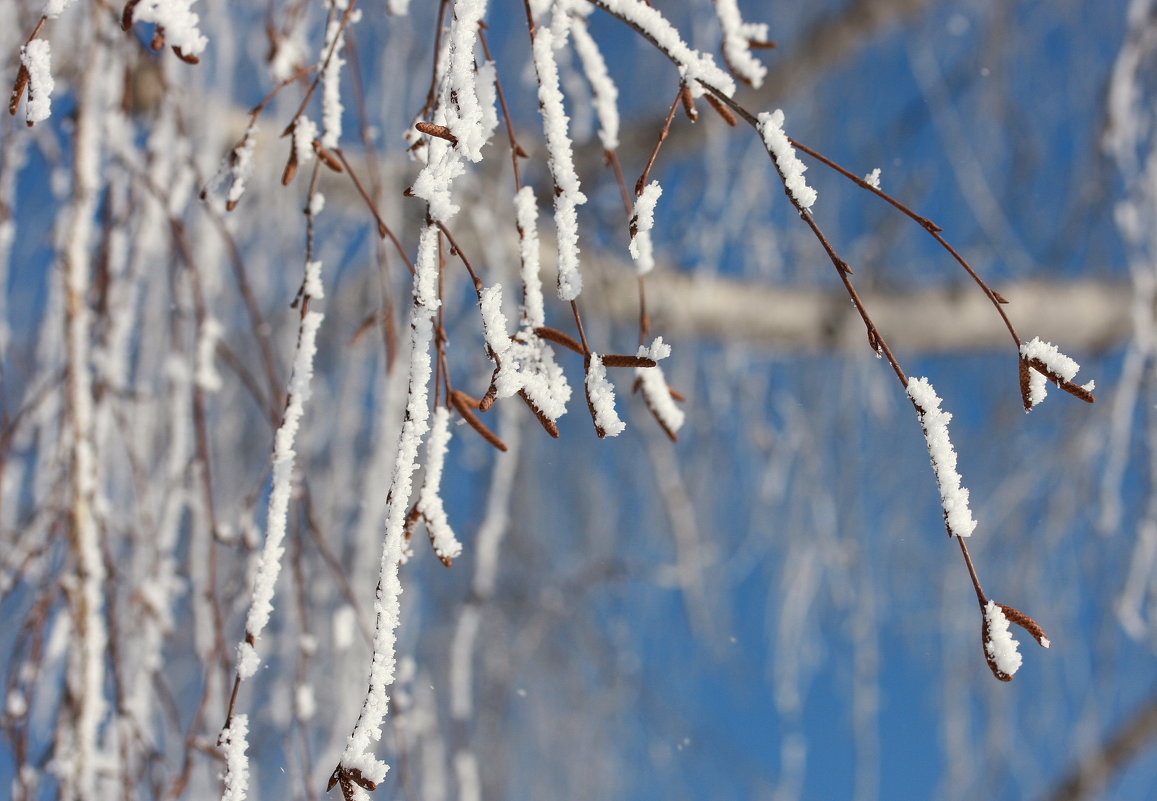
x=344 y=626
x=178 y=20
x=387 y=605
x=1055 y=361
x=36 y=56
x=446 y=545
x=234 y=741
x=269 y=561
x=1000 y=644
x=304 y=132
x=247 y=660
x=872 y=179
x=568 y=196
x=934 y=420
x=654 y=386
x=313 y=285
x=242 y=164
x=304 y=702
x=526 y=210
x=465 y=114
x=606 y=94
x=493 y=320
x=694 y=66
x=332 y=46
x=601 y=394
x=643 y=220
x=54 y=8
x=786 y=161
x=737 y=38
x=209 y=335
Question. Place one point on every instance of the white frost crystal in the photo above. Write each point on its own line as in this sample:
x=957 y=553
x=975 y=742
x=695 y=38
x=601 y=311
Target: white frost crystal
x=935 y=421
x=788 y=163
x=999 y=642
x=36 y=56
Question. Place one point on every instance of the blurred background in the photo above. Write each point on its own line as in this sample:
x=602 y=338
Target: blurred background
x=767 y=608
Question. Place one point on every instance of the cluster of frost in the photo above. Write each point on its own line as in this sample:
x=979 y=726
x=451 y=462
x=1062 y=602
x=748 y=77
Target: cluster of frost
x=737 y=38
x=1054 y=361
x=284 y=456
x=290 y=53
x=304 y=132
x=568 y=195
x=387 y=605
x=331 y=72
x=527 y=361
x=786 y=161
x=241 y=166
x=654 y=386
x=872 y=179
x=526 y=217
x=934 y=420
x=446 y=545
x=641 y=223
x=695 y=67
x=178 y=21
x=36 y=57
x=234 y=742
x=54 y=8
x=999 y=642
x=465 y=107
x=601 y=395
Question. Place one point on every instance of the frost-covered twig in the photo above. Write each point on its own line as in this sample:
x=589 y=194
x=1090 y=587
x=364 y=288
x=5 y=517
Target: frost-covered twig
x=1000 y=647
x=601 y=399
x=568 y=195
x=738 y=39
x=357 y=760
x=446 y=546
x=658 y=396
x=643 y=219
x=695 y=67
x=934 y=420
x=790 y=168
x=1041 y=362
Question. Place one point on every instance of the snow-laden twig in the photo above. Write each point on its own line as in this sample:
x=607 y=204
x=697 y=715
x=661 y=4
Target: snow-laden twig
x=656 y=392
x=36 y=58
x=357 y=759
x=737 y=38
x=179 y=22
x=786 y=161
x=694 y=66
x=601 y=399
x=54 y=8
x=526 y=217
x=643 y=220
x=606 y=94
x=1000 y=647
x=459 y=111
x=79 y=763
x=446 y=546
x=332 y=62
x=560 y=149
x=493 y=319
x=1047 y=362
x=934 y=420
x=464 y=112
x=284 y=457
x=234 y=742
